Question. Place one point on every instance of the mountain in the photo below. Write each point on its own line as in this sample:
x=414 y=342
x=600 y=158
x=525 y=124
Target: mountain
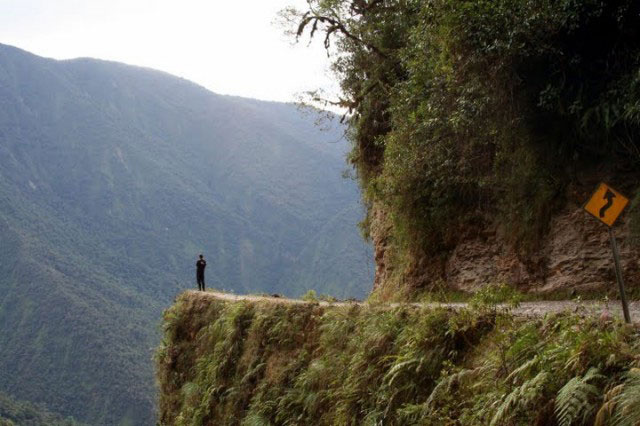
x=112 y=179
x=22 y=413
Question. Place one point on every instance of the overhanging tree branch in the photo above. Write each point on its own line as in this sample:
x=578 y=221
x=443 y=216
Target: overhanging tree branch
x=333 y=26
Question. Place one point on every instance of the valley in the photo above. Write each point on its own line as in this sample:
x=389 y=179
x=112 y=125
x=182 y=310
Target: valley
x=113 y=179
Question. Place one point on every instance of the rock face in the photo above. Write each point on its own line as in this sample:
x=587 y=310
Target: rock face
x=380 y=231
x=476 y=262
x=579 y=254
x=574 y=255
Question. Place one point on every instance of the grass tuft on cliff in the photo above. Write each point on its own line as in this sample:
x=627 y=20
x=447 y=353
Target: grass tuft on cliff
x=280 y=364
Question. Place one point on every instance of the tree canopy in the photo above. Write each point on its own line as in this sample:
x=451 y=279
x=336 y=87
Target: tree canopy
x=463 y=112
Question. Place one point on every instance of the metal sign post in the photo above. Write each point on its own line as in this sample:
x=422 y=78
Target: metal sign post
x=616 y=260
x=606 y=204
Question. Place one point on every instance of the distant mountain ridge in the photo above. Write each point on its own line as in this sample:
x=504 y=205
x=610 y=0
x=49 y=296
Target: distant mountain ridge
x=112 y=179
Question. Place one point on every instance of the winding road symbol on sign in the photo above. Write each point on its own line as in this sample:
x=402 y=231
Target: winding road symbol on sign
x=606 y=204
x=609 y=196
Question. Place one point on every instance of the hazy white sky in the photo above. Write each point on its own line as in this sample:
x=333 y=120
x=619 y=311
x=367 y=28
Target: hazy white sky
x=228 y=46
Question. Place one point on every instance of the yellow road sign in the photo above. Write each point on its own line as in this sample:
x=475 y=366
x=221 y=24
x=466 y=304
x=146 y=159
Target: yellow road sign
x=606 y=204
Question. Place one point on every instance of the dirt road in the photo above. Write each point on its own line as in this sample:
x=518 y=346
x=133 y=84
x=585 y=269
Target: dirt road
x=528 y=309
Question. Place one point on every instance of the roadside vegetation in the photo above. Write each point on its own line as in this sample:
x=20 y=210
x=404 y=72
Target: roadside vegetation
x=280 y=364
x=466 y=115
x=439 y=293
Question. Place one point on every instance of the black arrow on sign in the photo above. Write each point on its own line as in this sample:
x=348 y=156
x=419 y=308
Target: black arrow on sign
x=609 y=196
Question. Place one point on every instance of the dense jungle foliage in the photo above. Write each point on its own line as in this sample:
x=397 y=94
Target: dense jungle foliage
x=281 y=364
x=465 y=113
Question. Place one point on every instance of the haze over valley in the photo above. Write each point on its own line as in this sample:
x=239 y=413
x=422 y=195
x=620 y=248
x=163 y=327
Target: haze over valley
x=112 y=179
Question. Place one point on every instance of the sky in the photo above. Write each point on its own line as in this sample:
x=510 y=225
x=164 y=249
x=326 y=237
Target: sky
x=230 y=47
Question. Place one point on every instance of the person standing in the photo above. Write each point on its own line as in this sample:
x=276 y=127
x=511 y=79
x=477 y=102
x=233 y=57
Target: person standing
x=200 y=265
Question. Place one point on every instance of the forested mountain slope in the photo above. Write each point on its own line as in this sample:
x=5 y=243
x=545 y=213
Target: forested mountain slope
x=112 y=179
x=20 y=413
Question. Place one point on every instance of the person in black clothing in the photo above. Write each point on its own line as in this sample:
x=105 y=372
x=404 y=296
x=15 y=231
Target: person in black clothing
x=200 y=265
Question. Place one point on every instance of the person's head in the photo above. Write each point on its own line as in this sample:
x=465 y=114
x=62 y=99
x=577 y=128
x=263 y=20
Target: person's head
x=201 y=257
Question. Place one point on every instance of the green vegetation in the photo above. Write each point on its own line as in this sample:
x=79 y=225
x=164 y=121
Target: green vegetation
x=465 y=115
x=310 y=296
x=471 y=113
x=20 y=413
x=276 y=364
x=112 y=179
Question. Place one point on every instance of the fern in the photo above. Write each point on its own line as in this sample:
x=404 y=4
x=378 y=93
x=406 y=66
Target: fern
x=525 y=367
x=521 y=396
x=576 y=398
x=255 y=419
x=446 y=384
x=402 y=367
x=607 y=410
x=627 y=401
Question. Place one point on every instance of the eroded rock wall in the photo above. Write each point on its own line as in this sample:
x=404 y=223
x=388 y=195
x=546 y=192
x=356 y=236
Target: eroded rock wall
x=575 y=254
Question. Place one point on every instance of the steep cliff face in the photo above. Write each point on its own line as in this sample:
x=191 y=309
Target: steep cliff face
x=380 y=231
x=276 y=363
x=575 y=254
x=574 y=257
